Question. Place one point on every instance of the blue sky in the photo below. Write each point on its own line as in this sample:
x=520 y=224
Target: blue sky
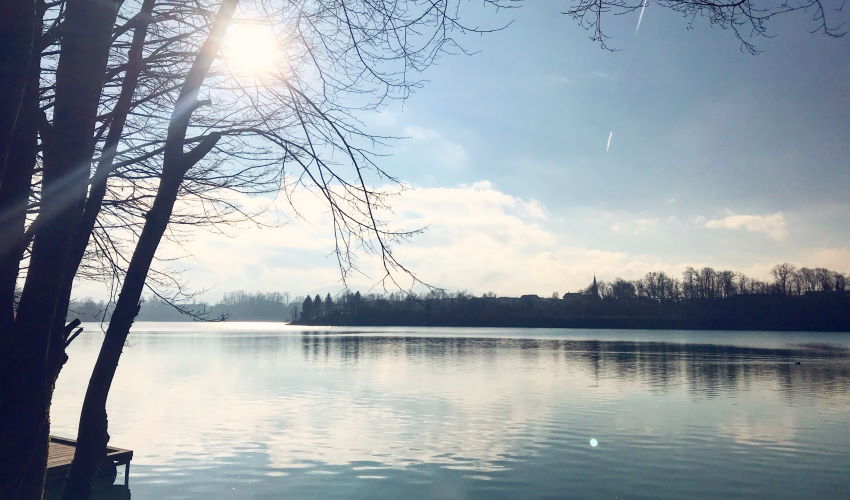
x=693 y=118
x=717 y=158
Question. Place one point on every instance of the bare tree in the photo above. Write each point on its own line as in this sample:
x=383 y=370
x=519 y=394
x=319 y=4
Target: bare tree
x=839 y=281
x=747 y=19
x=622 y=289
x=725 y=284
x=81 y=110
x=33 y=348
x=783 y=274
x=707 y=283
x=689 y=283
x=92 y=436
x=317 y=127
x=823 y=279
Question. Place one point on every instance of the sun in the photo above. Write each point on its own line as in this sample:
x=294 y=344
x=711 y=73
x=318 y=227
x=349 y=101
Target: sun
x=252 y=49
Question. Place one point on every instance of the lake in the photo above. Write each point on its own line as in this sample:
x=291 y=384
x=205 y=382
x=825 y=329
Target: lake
x=266 y=410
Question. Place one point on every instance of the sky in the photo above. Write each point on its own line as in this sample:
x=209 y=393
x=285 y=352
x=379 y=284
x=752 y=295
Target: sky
x=543 y=160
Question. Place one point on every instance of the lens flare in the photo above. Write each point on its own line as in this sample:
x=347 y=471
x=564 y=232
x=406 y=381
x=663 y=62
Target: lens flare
x=252 y=49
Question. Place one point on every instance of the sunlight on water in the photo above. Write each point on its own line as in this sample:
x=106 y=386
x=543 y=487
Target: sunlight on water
x=269 y=411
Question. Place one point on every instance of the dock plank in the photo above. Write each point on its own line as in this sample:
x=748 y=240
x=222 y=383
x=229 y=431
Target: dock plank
x=60 y=454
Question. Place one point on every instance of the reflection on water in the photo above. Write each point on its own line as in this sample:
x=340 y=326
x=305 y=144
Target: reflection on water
x=705 y=369
x=263 y=410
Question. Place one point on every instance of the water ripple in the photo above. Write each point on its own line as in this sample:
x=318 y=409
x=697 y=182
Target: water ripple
x=264 y=411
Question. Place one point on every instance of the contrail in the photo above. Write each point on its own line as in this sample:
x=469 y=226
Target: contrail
x=640 y=17
x=608 y=146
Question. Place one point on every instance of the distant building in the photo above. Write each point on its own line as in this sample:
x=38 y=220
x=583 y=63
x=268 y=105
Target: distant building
x=530 y=300
x=589 y=294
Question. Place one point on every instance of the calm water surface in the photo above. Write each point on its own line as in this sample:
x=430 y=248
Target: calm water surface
x=263 y=410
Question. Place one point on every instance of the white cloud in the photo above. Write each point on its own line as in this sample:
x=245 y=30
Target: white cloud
x=478 y=238
x=836 y=258
x=487 y=240
x=772 y=225
x=635 y=226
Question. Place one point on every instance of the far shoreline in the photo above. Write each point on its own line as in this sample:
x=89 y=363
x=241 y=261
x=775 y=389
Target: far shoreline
x=542 y=323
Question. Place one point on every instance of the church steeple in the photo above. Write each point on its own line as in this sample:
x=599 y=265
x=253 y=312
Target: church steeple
x=594 y=288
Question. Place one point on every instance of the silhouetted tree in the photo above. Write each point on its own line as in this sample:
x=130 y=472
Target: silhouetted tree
x=690 y=287
x=783 y=275
x=707 y=283
x=329 y=304
x=742 y=284
x=839 y=281
x=651 y=302
x=823 y=279
x=745 y=18
x=725 y=284
x=92 y=436
x=623 y=290
x=604 y=289
x=33 y=347
x=307 y=309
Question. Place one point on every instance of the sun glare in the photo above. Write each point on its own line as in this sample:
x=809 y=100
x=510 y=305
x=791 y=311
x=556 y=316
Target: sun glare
x=252 y=49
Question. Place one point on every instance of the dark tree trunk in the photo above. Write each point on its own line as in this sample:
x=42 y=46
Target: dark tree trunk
x=33 y=357
x=16 y=39
x=135 y=64
x=14 y=195
x=92 y=435
x=25 y=407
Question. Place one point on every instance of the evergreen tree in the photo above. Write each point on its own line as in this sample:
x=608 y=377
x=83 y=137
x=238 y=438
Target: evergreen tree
x=329 y=304
x=307 y=309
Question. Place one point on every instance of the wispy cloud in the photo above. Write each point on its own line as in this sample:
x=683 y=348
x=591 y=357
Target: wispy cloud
x=608 y=144
x=559 y=80
x=446 y=152
x=772 y=225
x=479 y=237
x=635 y=226
x=837 y=258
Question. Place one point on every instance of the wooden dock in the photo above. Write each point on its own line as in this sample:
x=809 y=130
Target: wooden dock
x=61 y=454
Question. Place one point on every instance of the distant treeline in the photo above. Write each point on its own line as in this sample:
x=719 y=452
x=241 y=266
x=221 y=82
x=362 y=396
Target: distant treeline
x=234 y=306
x=795 y=299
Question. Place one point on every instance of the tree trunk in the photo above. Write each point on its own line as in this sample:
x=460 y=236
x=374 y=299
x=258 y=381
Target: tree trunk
x=16 y=38
x=135 y=64
x=34 y=352
x=14 y=195
x=25 y=401
x=92 y=434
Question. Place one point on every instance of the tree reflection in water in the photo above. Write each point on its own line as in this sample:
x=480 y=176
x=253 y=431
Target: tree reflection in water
x=707 y=370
